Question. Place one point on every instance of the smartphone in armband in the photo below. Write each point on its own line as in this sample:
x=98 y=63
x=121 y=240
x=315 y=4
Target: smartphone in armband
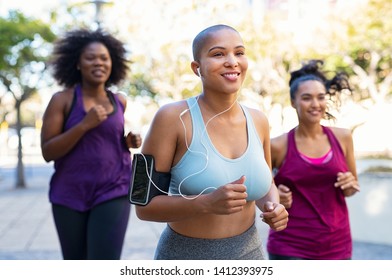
x=145 y=180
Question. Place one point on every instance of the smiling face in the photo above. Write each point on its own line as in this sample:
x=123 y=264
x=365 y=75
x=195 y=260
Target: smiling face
x=223 y=63
x=95 y=64
x=310 y=101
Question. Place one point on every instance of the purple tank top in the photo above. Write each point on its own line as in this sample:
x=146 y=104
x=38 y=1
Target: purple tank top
x=98 y=168
x=318 y=226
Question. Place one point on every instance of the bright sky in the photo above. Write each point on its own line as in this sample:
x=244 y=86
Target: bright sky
x=33 y=8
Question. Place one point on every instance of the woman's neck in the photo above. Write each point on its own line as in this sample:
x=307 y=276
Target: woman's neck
x=212 y=106
x=93 y=90
x=310 y=131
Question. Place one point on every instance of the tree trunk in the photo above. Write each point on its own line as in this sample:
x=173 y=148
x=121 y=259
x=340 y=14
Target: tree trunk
x=20 y=175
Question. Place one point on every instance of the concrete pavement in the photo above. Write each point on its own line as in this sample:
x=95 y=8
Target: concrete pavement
x=27 y=229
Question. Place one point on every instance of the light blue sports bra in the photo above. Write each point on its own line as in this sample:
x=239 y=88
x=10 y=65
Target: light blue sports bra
x=203 y=169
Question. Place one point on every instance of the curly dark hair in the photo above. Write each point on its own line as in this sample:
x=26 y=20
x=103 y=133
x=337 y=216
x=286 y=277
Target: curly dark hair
x=312 y=71
x=67 y=51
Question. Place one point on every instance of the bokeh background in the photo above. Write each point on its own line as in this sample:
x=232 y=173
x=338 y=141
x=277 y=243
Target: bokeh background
x=349 y=35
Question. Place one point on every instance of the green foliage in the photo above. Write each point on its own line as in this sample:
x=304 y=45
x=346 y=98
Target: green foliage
x=21 y=39
x=23 y=52
x=366 y=50
x=24 y=49
x=139 y=85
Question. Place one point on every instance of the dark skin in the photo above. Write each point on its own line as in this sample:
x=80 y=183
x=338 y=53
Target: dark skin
x=225 y=212
x=95 y=66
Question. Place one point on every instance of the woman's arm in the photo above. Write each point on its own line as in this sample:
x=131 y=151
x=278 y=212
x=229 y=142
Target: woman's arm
x=54 y=142
x=132 y=140
x=274 y=213
x=278 y=154
x=347 y=181
x=228 y=199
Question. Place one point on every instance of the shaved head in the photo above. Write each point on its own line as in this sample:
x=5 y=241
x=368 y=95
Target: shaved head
x=202 y=38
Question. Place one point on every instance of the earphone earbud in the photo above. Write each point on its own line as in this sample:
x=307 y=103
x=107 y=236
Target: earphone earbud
x=198 y=71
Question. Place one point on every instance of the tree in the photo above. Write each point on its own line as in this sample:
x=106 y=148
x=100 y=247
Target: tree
x=23 y=52
x=368 y=54
x=361 y=47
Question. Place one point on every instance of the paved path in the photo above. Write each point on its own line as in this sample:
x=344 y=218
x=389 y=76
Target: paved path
x=27 y=230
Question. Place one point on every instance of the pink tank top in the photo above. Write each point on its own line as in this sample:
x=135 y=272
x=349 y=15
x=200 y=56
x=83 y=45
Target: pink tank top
x=318 y=226
x=319 y=160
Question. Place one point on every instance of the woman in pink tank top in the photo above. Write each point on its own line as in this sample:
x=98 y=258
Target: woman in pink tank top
x=315 y=172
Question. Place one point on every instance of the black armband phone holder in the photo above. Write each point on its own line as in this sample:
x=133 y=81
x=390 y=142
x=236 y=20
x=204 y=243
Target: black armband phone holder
x=146 y=182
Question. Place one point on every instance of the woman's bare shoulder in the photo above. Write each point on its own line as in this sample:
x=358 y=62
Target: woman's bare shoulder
x=173 y=110
x=257 y=114
x=278 y=150
x=62 y=98
x=122 y=97
x=279 y=142
x=343 y=134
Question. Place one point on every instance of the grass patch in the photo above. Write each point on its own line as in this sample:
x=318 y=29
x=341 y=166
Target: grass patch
x=378 y=169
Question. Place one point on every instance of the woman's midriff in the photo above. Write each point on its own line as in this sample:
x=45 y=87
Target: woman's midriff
x=217 y=226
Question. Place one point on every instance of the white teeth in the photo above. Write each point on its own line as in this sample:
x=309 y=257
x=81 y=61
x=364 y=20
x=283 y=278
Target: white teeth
x=98 y=72
x=231 y=75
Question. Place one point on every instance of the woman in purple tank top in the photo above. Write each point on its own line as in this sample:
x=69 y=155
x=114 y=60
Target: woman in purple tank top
x=315 y=171
x=83 y=133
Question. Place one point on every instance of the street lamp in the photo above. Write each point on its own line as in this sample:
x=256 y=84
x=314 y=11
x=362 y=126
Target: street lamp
x=98 y=9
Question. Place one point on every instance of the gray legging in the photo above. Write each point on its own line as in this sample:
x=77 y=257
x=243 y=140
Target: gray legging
x=173 y=246
x=97 y=234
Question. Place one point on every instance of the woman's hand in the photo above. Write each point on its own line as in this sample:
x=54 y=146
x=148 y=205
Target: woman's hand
x=227 y=199
x=95 y=117
x=285 y=196
x=347 y=182
x=275 y=215
x=133 y=140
